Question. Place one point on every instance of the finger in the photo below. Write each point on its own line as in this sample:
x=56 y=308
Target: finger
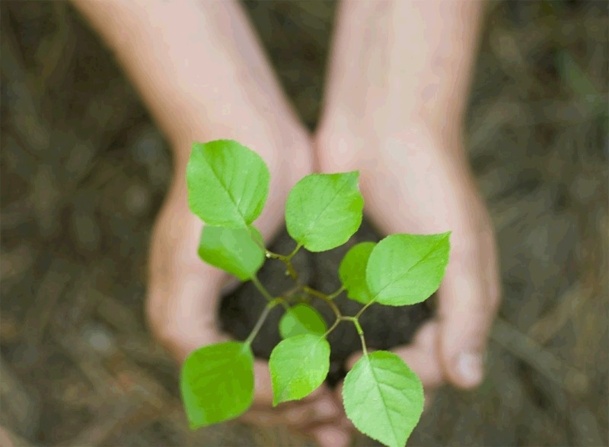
x=422 y=355
x=183 y=293
x=468 y=300
x=345 y=422
x=185 y=322
x=332 y=435
x=263 y=389
x=298 y=415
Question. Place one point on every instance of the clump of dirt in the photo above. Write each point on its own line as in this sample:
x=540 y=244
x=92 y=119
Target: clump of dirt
x=384 y=327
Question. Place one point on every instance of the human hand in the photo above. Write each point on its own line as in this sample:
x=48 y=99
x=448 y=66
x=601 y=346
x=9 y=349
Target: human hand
x=182 y=307
x=414 y=181
x=201 y=71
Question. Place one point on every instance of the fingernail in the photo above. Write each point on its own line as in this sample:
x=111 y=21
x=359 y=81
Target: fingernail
x=470 y=368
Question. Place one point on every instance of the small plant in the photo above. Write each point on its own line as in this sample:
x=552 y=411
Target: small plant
x=227 y=188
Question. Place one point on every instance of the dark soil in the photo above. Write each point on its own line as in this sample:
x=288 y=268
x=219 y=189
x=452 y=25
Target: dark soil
x=385 y=327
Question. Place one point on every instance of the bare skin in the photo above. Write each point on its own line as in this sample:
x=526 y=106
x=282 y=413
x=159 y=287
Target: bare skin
x=394 y=110
x=394 y=104
x=203 y=75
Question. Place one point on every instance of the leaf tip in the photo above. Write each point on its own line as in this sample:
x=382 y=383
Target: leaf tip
x=193 y=426
x=280 y=399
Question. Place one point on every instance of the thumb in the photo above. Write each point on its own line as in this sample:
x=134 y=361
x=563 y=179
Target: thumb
x=183 y=292
x=468 y=300
x=182 y=313
x=332 y=435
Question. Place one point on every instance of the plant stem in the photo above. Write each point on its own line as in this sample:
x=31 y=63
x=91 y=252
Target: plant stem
x=291 y=255
x=293 y=291
x=261 y=319
x=291 y=271
x=363 y=340
x=282 y=258
x=287 y=260
x=326 y=298
x=359 y=330
x=265 y=293
x=358 y=327
x=315 y=293
x=336 y=323
x=361 y=311
x=338 y=292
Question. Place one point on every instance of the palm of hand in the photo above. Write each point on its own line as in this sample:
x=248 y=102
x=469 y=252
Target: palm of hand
x=413 y=183
x=182 y=307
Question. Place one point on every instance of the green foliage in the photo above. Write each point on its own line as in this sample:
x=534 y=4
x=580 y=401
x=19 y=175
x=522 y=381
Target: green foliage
x=227 y=183
x=235 y=250
x=217 y=383
x=324 y=210
x=227 y=188
x=383 y=398
x=407 y=268
x=298 y=365
x=301 y=319
x=352 y=272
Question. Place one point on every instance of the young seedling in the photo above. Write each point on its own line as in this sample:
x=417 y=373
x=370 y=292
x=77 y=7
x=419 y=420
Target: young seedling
x=227 y=188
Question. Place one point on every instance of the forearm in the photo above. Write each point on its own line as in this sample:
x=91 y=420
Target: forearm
x=200 y=71
x=414 y=57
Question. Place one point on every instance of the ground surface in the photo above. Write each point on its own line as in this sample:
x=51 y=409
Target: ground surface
x=84 y=172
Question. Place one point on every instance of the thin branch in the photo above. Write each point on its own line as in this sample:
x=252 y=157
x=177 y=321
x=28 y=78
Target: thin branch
x=260 y=322
x=336 y=323
x=323 y=296
x=291 y=255
x=338 y=292
x=287 y=260
x=359 y=330
x=265 y=293
x=363 y=340
x=361 y=311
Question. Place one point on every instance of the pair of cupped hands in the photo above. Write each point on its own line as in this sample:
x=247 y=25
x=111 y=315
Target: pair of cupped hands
x=412 y=180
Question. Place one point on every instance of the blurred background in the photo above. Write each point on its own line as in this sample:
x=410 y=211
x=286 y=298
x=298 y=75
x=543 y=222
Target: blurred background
x=84 y=171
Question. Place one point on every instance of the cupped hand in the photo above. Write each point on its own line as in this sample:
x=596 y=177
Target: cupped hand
x=182 y=308
x=414 y=181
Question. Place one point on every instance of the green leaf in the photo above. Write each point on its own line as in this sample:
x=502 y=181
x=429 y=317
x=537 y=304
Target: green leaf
x=324 y=210
x=352 y=272
x=298 y=366
x=233 y=250
x=217 y=383
x=407 y=268
x=383 y=398
x=302 y=319
x=227 y=183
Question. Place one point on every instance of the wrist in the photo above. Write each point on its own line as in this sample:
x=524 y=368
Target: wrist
x=370 y=151
x=397 y=62
x=342 y=134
